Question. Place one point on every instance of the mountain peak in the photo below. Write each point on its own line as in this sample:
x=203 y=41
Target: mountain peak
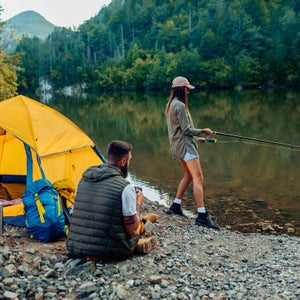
x=30 y=23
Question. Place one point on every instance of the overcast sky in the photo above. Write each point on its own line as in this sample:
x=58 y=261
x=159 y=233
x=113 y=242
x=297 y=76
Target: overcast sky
x=67 y=13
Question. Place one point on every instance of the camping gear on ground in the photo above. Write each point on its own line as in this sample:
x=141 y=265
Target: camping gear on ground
x=66 y=191
x=13 y=212
x=44 y=216
x=13 y=208
x=58 y=147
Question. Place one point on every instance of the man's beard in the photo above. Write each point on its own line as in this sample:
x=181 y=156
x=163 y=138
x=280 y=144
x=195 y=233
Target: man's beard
x=124 y=170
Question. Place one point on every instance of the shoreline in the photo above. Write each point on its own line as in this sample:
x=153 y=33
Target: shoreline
x=190 y=262
x=235 y=214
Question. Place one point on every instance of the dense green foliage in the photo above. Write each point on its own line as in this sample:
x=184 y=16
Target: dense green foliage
x=8 y=72
x=143 y=44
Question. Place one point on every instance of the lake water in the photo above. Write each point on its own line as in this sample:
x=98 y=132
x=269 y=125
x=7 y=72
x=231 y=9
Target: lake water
x=249 y=186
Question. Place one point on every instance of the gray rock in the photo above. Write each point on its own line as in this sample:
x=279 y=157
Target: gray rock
x=10 y=295
x=190 y=263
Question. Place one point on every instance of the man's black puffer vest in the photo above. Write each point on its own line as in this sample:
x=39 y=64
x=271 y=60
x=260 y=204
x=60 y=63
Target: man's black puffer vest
x=97 y=227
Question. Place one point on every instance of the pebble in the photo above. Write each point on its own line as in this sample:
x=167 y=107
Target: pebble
x=190 y=262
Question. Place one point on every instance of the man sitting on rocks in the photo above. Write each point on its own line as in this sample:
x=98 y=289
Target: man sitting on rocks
x=106 y=223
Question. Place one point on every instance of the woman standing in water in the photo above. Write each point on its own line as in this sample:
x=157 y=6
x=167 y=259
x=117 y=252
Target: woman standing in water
x=184 y=148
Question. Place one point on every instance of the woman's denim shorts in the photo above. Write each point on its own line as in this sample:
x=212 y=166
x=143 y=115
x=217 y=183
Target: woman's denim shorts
x=188 y=156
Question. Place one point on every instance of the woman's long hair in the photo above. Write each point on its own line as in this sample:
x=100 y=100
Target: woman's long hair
x=179 y=93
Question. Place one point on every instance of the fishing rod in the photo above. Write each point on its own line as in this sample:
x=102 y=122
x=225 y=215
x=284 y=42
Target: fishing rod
x=212 y=140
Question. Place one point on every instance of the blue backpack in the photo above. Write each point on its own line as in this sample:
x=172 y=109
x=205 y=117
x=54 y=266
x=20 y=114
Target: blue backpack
x=44 y=218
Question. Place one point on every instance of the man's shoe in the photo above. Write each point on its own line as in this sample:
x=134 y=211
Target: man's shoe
x=175 y=209
x=145 y=245
x=204 y=219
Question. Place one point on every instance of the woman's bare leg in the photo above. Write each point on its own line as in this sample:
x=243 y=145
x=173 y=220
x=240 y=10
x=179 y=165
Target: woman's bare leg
x=184 y=182
x=203 y=217
x=175 y=208
x=195 y=170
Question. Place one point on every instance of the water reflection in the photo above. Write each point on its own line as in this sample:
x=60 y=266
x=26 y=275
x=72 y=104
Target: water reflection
x=238 y=175
x=156 y=194
x=150 y=192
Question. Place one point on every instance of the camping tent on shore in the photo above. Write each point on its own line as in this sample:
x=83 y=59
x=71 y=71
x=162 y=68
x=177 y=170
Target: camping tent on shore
x=57 y=145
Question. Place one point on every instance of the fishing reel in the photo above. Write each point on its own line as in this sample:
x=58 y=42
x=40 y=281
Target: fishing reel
x=210 y=139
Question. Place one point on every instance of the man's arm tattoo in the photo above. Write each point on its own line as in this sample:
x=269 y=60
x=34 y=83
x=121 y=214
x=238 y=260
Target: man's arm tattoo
x=129 y=220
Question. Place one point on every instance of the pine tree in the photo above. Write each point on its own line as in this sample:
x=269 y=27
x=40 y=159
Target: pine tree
x=8 y=70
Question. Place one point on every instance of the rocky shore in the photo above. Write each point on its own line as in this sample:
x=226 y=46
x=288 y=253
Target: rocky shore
x=190 y=263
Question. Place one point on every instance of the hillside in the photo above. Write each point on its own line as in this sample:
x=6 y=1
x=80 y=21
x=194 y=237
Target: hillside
x=136 y=45
x=30 y=23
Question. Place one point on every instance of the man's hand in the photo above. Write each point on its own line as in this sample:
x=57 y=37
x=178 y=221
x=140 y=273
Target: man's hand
x=139 y=200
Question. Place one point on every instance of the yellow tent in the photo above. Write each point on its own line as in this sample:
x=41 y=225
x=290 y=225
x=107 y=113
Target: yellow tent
x=63 y=149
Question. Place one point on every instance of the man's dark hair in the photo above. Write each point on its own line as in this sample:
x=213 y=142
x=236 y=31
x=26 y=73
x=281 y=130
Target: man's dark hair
x=116 y=150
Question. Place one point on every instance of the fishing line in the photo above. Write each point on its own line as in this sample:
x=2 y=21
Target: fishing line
x=254 y=141
x=255 y=144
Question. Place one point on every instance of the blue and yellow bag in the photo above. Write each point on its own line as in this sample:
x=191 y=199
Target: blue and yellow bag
x=44 y=218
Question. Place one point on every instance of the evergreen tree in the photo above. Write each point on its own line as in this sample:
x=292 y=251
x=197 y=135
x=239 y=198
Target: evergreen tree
x=8 y=70
x=144 y=44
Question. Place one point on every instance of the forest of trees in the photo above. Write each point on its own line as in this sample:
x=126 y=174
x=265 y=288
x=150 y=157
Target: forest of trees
x=144 y=44
x=9 y=65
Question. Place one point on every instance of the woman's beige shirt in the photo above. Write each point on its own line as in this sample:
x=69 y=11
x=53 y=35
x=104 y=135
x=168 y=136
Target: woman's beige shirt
x=181 y=130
